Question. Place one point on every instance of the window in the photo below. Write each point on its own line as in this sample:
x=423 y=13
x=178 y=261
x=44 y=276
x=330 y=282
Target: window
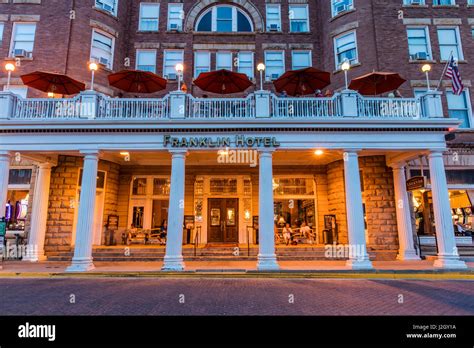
x=444 y=2
x=273 y=13
x=299 y=19
x=224 y=18
x=23 y=38
x=449 y=41
x=19 y=177
x=275 y=64
x=339 y=6
x=202 y=62
x=102 y=50
x=149 y=15
x=107 y=5
x=146 y=60
x=413 y=2
x=224 y=60
x=300 y=60
x=2 y=25
x=245 y=63
x=419 y=47
x=22 y=91
x=459 y=107
x=171 y=58
x=345 y=47
x=175 y=17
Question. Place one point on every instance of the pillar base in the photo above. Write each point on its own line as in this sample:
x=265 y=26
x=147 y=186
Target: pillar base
x=449 y=262
x=173 y=264
x=408 y=255
x=83 y=265
x=359 y=264
x=267 y=263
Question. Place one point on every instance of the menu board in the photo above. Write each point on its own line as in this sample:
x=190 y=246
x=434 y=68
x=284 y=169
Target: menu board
x=113 y=222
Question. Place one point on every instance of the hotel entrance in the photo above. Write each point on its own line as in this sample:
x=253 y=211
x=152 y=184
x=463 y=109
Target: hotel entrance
x=223 y=220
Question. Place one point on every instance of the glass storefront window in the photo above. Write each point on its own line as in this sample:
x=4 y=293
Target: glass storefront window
x=16 y=209
x=293 y=186
x=161 y=187
x=294 y=212
x=223 y=186
x=159 y=213
x=19 y=177
x=139 y=187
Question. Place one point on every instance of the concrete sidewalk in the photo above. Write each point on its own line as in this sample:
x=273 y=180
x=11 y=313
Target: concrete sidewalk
x=406 y=269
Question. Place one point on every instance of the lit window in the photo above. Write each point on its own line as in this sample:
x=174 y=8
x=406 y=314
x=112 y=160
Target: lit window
x=224 y=60
x=300 y=60
x=345 y=47
x=418 y=43
x=339 y=6
x=175 y=17
x=275 y=64
x=202 y=62
x=171 y=59
x=107 y=5
x=459 y=107
x=102 y=49
x=299 y=19
x=23 y=39
x=146 y=60
x=245 y=61
x=273 y=17
x=224 y=18
x=449 y=41
x=149 y=17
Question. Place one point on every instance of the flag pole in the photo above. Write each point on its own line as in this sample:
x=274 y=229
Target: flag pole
x=444 y=70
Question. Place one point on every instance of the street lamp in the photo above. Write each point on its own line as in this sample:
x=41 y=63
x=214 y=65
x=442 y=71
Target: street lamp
x=426 y=69
x=261 y=68
x=93 y=67
x=179 y=69
x=345 y=66
x=10 y=67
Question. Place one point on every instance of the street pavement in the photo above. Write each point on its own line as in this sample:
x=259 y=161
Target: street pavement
x=234 y=296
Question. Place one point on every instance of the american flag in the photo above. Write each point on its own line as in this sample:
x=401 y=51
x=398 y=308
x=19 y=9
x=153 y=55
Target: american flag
x=453 y=73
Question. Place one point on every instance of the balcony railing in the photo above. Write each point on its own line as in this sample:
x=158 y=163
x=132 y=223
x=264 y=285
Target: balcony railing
x=260 y=105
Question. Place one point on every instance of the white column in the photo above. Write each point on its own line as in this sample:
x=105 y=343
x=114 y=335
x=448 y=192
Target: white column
x=266 y=257
x=358 y=257
x=39 y=214
x=82 y=260
x=4 y=172
x=173 y=260
x=448 y=256
x=405 y=233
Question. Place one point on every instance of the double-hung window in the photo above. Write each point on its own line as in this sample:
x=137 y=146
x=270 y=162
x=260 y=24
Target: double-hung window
x=273 y=12
x=224 y=60
x=419 y=47
x=2 y=26
x=345 y=47
x=444 y=2
x=299 y=22
x=23 y=38
x=340 y=6
x=171 y=59
x=450 y=42
x=245 y=63
x=459 y=107
x=149 y=16
x=109 y=6
x=146 y=60
x=275 y=64
x=102 y=50
x=202 y=62
x=175 y=17
x=300 y=59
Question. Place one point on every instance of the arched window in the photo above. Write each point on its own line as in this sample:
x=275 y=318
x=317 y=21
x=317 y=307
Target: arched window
x=223 y=18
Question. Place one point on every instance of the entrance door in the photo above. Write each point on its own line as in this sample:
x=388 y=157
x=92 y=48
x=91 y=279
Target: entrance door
x=223 y=220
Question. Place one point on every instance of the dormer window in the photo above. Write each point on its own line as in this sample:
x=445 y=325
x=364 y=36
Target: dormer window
x=224 y=19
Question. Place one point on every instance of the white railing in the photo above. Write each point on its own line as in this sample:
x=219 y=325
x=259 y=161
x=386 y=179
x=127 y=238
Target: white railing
x=212 y=108
x=134 y=108
x=286 y=107
x=47 y=108
x=372 y=107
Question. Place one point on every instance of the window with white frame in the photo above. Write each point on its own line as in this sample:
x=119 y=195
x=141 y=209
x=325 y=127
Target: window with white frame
x=273 y=14
x=23 y=39
x=146 y=60
x=339 y=6
x=171 y=59
x=413 y=2
x=224 y=18
x=444 y=2
x=175 y=17
x=245 y=63
x=299 y=20
x=224 y=60
x=22 y=91
x=2 y=26
x=149 y=16
x=450 y=42
x=202 y=62
x=274 y=64
x=459 y=107
x=102 y=50
x=419 y=46
x=109 y=6
x=300 y=59
x=345 y=48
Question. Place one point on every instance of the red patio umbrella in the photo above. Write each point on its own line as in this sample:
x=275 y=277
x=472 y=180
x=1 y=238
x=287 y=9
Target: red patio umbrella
x=137 y=81
x=302 y=81
x=376 y=83
x=53 y=83
x=223 y=82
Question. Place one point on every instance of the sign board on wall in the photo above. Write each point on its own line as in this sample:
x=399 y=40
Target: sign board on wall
x=416 y=183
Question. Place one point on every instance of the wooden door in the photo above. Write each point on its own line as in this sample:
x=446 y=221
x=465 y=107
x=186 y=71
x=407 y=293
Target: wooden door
x=223 y=220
